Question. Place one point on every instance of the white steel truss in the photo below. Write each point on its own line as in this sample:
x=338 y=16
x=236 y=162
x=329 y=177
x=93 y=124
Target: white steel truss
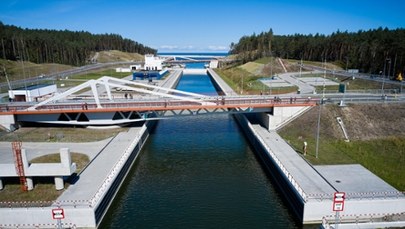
x=110 y=82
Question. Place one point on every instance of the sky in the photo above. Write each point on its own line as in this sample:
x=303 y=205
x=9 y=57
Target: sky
x=202 y=25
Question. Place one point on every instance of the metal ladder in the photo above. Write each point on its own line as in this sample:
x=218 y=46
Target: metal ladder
x=19 y=167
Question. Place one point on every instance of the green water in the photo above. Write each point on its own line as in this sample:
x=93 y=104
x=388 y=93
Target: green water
x=198 y=172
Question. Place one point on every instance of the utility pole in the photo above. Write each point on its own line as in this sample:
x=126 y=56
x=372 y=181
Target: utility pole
x=320 y=111
x=383 y=75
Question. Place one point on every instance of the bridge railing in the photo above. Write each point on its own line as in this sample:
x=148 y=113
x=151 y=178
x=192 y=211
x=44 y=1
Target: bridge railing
x=281 y=166
x=360 y=195
x=161 y=103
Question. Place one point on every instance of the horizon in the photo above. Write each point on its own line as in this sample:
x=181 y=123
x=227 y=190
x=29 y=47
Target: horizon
x=208 y=26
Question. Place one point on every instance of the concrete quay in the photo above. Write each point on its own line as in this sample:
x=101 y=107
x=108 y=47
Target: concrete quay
x=83 y=200
x=86 y=201
x=309 y=190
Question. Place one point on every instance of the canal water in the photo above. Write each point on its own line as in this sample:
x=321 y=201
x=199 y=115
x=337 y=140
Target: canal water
x=198 y=172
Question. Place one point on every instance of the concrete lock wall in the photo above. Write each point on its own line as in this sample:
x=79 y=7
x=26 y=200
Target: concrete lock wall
x=7 y=121
x=21 y=218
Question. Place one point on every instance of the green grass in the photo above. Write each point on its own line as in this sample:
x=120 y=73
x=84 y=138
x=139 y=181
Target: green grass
x=329 y=65
x=44 y=188
x=75 y=80
x=53 y=134
x=251 y=85
x=264 y=60
x=356 y=84
x=384 y=156
x=98 y=74
x=15 y=70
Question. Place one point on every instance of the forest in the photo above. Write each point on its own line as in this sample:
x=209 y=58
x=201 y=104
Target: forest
x=63 y=47
x=377 y=51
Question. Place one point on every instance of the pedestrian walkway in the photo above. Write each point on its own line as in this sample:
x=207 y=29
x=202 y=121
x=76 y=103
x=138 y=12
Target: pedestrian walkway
x=368 y=196
x=94 y=175
x=291 y=78
x=302 y=172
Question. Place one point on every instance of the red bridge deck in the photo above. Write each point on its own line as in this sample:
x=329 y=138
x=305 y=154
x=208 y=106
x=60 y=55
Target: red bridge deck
x=155 y=105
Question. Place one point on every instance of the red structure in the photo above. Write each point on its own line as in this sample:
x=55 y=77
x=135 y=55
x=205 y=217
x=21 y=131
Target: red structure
x=19 y=167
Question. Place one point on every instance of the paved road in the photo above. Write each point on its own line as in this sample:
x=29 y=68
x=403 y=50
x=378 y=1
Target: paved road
x=303 y=87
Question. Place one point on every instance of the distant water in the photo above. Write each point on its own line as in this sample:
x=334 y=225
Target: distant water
x=194 y=53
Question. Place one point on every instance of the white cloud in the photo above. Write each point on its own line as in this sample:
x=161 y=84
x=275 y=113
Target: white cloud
x=169 y=47
x=188 y=47
x=218 y=48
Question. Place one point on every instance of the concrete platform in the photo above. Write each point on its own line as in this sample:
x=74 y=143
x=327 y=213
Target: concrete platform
x=310 y=189
x=86 y=201
x=37 y=149
x=318 y=81
x=274 y=83
x=354 y=179
x=82 y=199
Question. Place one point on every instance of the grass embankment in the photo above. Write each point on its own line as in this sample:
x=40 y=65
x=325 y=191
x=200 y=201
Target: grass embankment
x=44 y=188
x=351 y=84
x=75 y=80
x=244 y=79
x=115 y=55
x=376 y=132
x=60 y=134
x=16 y=71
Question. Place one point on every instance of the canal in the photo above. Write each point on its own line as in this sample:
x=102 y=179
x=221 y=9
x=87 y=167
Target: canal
x=198 y=172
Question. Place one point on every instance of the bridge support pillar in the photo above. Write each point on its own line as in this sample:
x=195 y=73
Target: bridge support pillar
x=59 y=185
x=284 y=115
x=30 y=183
x=1 y=184
x=264 y=119
x=8 y=122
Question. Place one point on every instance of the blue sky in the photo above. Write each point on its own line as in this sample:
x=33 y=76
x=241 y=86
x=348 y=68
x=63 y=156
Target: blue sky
x=202 y=25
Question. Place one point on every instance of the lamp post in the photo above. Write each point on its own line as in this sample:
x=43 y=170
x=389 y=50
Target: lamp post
x=319 y=114
x=384 y=74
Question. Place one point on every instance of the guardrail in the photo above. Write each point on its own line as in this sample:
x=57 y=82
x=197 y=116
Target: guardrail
x=364 y=91
x=44 y=204
x=372 y=220
x=227 y=101
x=360 y=195
x=116 y=169
x=59 y=74
x=287 y=174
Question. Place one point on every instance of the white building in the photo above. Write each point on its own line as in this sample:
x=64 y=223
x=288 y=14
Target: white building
x=32 y=92
x=152 y=63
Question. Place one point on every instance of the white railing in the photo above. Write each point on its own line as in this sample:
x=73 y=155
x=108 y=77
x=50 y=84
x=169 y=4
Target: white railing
x=360 y=195
x=106 y=184
x=373 y=220
x=287 y=174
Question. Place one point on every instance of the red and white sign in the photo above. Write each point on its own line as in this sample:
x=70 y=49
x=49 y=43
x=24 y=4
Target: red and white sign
x=58 y=213
x=338 y=201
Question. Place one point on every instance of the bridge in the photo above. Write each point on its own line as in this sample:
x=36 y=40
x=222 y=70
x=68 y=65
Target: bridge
x=183 y=58
x=141 y=102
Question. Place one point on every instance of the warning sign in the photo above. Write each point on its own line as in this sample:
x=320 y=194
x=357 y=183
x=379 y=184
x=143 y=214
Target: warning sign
x=338 y=201
x=58 y=213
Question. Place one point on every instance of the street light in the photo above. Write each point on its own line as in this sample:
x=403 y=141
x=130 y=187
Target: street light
x=319 y=114
x=385 y=62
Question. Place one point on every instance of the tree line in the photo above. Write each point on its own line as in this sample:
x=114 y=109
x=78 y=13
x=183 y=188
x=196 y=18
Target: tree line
x=61 y=46
x=371 y=51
